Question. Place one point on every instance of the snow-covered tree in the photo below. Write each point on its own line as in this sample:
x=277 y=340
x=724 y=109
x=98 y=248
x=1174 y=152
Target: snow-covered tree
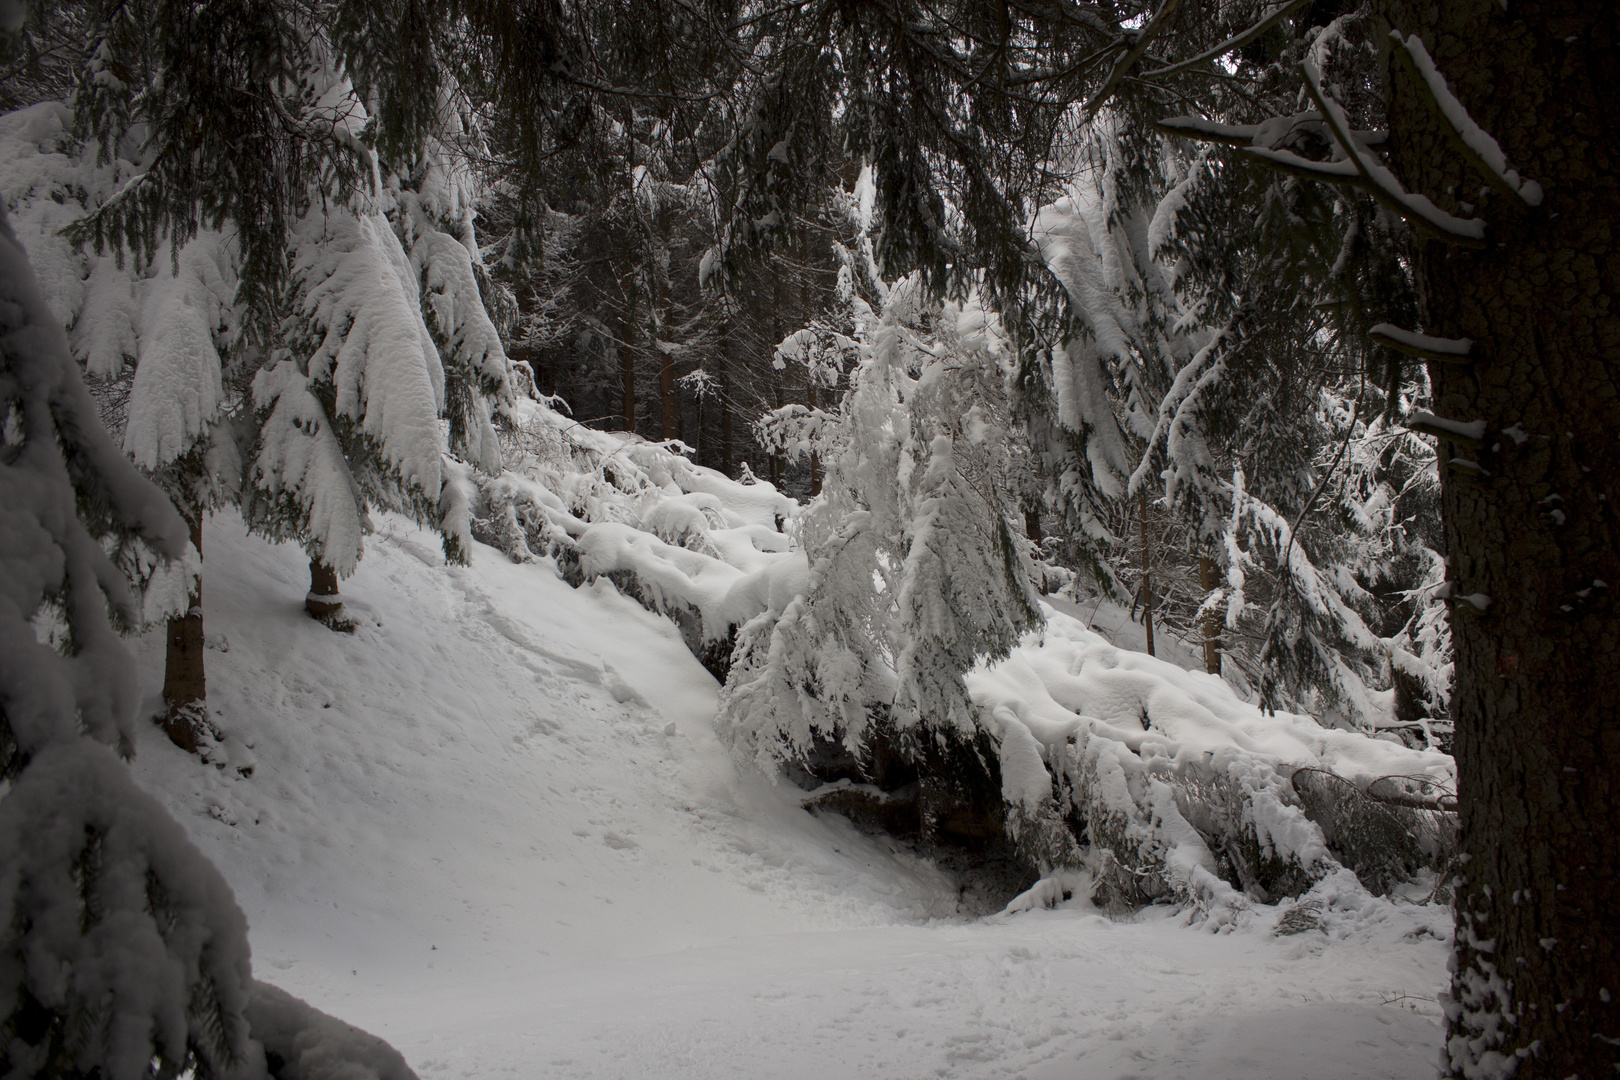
x=915 y=571
x=122 y=951
x=173 y=320
x=351 y=296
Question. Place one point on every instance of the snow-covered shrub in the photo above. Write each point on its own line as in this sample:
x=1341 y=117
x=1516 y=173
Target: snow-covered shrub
x=517 y=517
x=686 y=541
x=1182 y=791
x=1388 y=831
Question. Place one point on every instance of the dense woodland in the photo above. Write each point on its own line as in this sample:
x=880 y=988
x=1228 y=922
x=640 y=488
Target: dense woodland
x=1286 y=327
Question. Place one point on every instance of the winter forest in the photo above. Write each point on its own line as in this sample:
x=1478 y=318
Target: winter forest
x=809 y=538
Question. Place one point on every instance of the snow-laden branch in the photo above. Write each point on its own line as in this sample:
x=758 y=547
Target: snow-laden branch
x=1237 y=41
x=1123 y=66
x=1470 y=433
x=1354 y=163
x=1180 y=391
x=1379 y=181
x=1473 y=142
x=1424 y=346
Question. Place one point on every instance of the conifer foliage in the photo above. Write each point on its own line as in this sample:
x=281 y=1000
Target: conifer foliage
x=123 y=953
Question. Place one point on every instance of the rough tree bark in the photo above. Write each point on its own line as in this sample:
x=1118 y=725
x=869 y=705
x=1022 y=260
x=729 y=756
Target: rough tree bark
x=324 y=602
x=185 y=684
x=1536 y=984
x=669 y=426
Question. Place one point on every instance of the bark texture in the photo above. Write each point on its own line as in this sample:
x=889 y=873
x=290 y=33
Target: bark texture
x=669 y=417
x=1536 y=985
x=185 y=683
x=324 y=603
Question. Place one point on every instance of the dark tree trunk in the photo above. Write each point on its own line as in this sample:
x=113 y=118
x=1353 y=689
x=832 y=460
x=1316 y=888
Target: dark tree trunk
x=627 y=372
x=1147 y=581
x=815 y=458
x=324 y=603
x=1537 y=970
x=185 y=683
x=1207 y=580
x=669 y=427
x=726 y=455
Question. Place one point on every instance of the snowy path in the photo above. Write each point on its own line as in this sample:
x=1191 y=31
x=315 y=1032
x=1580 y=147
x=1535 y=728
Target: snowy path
x=495 y=827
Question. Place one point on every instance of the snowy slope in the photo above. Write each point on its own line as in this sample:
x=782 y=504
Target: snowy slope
x=494 y=826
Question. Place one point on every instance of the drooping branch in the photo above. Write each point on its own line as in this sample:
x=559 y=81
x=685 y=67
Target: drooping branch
x=1358 y=168
x=1122 y=67
x=1235 y=42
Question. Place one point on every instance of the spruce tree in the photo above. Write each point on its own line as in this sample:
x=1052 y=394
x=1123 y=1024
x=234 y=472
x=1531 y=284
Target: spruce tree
x=1445 y=193
x=123 y=953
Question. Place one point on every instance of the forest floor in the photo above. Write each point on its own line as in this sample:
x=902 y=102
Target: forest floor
x=494 y=826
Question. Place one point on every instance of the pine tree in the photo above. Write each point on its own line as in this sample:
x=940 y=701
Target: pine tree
x=122 y=951
x=173 y=321
x=325 y=291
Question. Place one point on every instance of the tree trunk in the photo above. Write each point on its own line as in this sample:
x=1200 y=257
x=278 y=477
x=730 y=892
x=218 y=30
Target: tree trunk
x=726 y=458
x=666 y=391
x=185 y=683
x=1207 y=580
x=815 y=458
x=324 y=603
x=1537 y=970
x=1147 y=580
x=776 y=458
x=627 y=371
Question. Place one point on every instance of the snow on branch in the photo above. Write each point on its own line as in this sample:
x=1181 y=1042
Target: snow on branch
x=1379 y=181
x=1472 y=141
x=1237 y=41
x=1354 y=164
x=1470 y=433
x=1184 y=391
x=1138 y=47
x=1424 y=346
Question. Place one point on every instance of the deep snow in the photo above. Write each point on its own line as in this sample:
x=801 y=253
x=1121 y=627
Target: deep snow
x=494 y=826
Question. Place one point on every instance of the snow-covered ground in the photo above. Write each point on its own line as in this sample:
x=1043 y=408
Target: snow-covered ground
x=494 y=826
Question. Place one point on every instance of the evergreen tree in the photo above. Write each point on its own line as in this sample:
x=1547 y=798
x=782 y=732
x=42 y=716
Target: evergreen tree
x=325 y=292
x=123 y=953
x=173 y=320
x=1403 y=155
